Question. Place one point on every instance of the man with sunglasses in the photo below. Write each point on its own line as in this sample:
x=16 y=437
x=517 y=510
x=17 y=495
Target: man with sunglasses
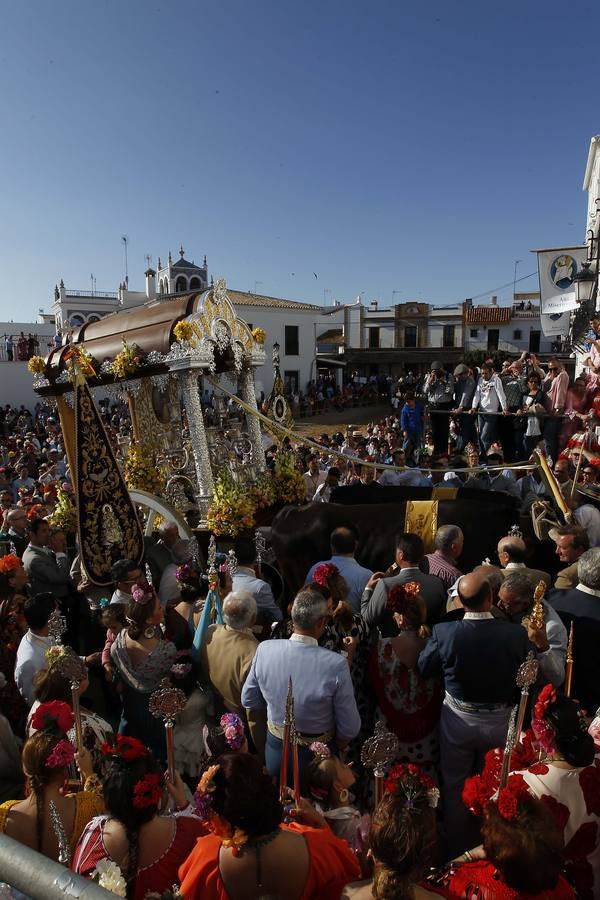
x=555 y=387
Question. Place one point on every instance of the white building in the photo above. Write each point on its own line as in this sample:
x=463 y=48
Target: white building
x=510 y=329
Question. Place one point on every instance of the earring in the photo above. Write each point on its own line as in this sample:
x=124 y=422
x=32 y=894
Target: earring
x=150 y=632
x=343 y=795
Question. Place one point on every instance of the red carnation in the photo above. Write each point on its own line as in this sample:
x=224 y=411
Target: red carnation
x=546 y=698
x=148 y=790
x=324 y=572
x=53 y=716
x=128 y=748
x=507 y=804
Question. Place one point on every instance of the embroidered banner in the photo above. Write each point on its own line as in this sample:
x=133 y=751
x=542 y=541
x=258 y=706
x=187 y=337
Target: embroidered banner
x=421 y=518
x=109 y=527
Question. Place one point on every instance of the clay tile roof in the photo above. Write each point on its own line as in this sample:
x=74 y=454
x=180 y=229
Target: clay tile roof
x=489 y=315
x=332 y=336
x=246 y=299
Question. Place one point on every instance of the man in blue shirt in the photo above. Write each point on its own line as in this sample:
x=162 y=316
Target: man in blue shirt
x=411 y=423
x=324 y=703
x=245 y=579
x=343 y=542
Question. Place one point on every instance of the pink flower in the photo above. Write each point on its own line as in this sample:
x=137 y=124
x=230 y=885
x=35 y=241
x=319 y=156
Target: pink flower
x=62 y=755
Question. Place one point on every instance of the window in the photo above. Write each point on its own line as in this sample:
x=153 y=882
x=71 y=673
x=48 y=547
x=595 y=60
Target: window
x=448 y=336
x=290 y=379
x=474 y=332
x=374 y=338
x=534 y=341
x=517 y=334
x=195 y=284
x=493 y=338
x=410 y=336
x=181 y=284
x=292 y=340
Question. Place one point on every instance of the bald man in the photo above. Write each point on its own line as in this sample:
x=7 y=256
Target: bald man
x=512 y=553
x=478 y=658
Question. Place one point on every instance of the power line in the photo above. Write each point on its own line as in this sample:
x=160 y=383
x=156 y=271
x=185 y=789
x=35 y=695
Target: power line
x=501 y=286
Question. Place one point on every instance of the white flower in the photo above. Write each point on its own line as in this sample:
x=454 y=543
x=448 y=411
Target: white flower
x=433 y=797
x=109 y=876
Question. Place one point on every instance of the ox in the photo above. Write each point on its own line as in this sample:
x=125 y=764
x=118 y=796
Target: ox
x=300 y=535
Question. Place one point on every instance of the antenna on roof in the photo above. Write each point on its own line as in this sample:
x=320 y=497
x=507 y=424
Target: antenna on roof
x=148 y=258
x=124 y=241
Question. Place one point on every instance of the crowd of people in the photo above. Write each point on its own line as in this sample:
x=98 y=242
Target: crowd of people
x=428 y=650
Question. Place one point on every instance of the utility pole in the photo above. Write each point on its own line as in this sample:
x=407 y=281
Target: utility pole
x=517 y=261
x=124 y=240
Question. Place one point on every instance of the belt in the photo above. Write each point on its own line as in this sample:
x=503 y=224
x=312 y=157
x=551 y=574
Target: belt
x=463 y=706
x=305 y=740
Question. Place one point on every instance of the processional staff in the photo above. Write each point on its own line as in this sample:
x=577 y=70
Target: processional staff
x=526 y=677
x=379 y=752
x=73 y=668
x=569 y=666
x=166 y=703
x=290 y=746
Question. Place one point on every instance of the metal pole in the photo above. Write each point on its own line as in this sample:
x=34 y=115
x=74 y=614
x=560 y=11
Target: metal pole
x=42 y=878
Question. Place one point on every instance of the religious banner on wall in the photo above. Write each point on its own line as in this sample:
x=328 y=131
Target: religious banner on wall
x=555 y=324
x=109 y=527
x=557 y=269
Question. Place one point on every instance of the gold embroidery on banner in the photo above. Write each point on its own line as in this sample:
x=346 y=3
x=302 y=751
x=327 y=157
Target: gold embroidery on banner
x=101 y=493
x=421 y=518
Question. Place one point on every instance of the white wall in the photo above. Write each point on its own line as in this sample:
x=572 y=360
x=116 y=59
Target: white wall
x=16 y=385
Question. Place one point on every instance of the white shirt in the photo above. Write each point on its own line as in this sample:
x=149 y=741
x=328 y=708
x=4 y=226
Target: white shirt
x=31 y=658
x=477 y=615
x=589 y=518
x=587 y=590
x=489 y=395
x=169 y=586
x=304 y=639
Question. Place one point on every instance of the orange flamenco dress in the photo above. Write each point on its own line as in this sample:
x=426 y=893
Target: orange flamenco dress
x=332 y=866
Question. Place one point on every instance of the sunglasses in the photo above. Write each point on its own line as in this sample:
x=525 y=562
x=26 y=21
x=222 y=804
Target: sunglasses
x=552 y=369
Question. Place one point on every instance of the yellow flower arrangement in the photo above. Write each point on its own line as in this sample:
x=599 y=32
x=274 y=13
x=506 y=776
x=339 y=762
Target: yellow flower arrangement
x=127 y=361
x=232 y=509
x=259 y=335
x=262 y=492
x=140 y=472
x=183 y=331
x=64 y=515
x=289 y=483
x=36 y=365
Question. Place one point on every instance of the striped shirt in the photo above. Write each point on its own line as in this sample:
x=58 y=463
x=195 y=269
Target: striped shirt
x=442 y=569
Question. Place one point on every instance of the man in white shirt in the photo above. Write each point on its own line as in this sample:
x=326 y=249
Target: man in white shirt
x=313 y=478
x=31 y=653
x=488 y=398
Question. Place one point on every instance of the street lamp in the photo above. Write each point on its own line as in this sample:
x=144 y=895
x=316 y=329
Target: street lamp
x=584 y=281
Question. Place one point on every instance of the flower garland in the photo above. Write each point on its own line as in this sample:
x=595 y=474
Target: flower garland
x=64 y=514
x=262 y=492
x=228 y=835
x=36 y=365
x=259 y=335
x=9 y=563
x=127 y=361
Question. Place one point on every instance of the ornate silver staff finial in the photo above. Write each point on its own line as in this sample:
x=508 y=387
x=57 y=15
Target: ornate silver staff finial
x=378 y=752
x=148 y=574
x=260 y=543
x=212 y=555
x=166 y=702
x=232 y=563
x=515 y=532
x=64 y=849
x=57 y=625
x=194 y=550
x=73 y=668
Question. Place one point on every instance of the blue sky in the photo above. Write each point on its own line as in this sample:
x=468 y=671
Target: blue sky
x=416 y=148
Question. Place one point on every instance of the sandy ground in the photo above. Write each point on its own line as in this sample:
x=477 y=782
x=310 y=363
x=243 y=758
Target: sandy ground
x=333 y=421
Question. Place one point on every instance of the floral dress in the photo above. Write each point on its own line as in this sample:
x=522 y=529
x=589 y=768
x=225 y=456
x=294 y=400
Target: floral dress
x=409 y=704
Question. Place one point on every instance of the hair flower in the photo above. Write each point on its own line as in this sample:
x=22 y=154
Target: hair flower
x=54 y=716
x=125 y=748
x=402 y=595
x=233 y=729
x=148 y=790
x=320 y=750
x=62 y=755
x=206 y=784
x=9 y=563
x=324 y=572
x=180 y=670
x=546 y=698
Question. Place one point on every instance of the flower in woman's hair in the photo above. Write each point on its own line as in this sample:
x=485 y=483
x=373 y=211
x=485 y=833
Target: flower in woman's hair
x=62 y=755
x=546 y=698
x=324 y=572
x=320 y=750
x=109 y=876
x=206 y=784
x=516 y=792
x=148 y=790
x=203 y=803
x=53 y=716
x=545 y=735
x=180 y=670
x=401 y=594
x=409 y=777
x=141 y=592
x=9 y=563
x=233 y=729
x=126 y=748
x=475 y=794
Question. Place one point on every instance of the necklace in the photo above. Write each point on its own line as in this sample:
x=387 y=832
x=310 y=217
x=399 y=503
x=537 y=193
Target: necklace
x=256 y=845
x=556 y=757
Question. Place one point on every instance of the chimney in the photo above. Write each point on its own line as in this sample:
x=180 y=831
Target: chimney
x=494 y=300
x=468 y=303
x=374 y=305
x=150 y=284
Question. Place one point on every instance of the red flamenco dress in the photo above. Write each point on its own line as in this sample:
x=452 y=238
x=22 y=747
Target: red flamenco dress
x=332 y=866
x=479 y=879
